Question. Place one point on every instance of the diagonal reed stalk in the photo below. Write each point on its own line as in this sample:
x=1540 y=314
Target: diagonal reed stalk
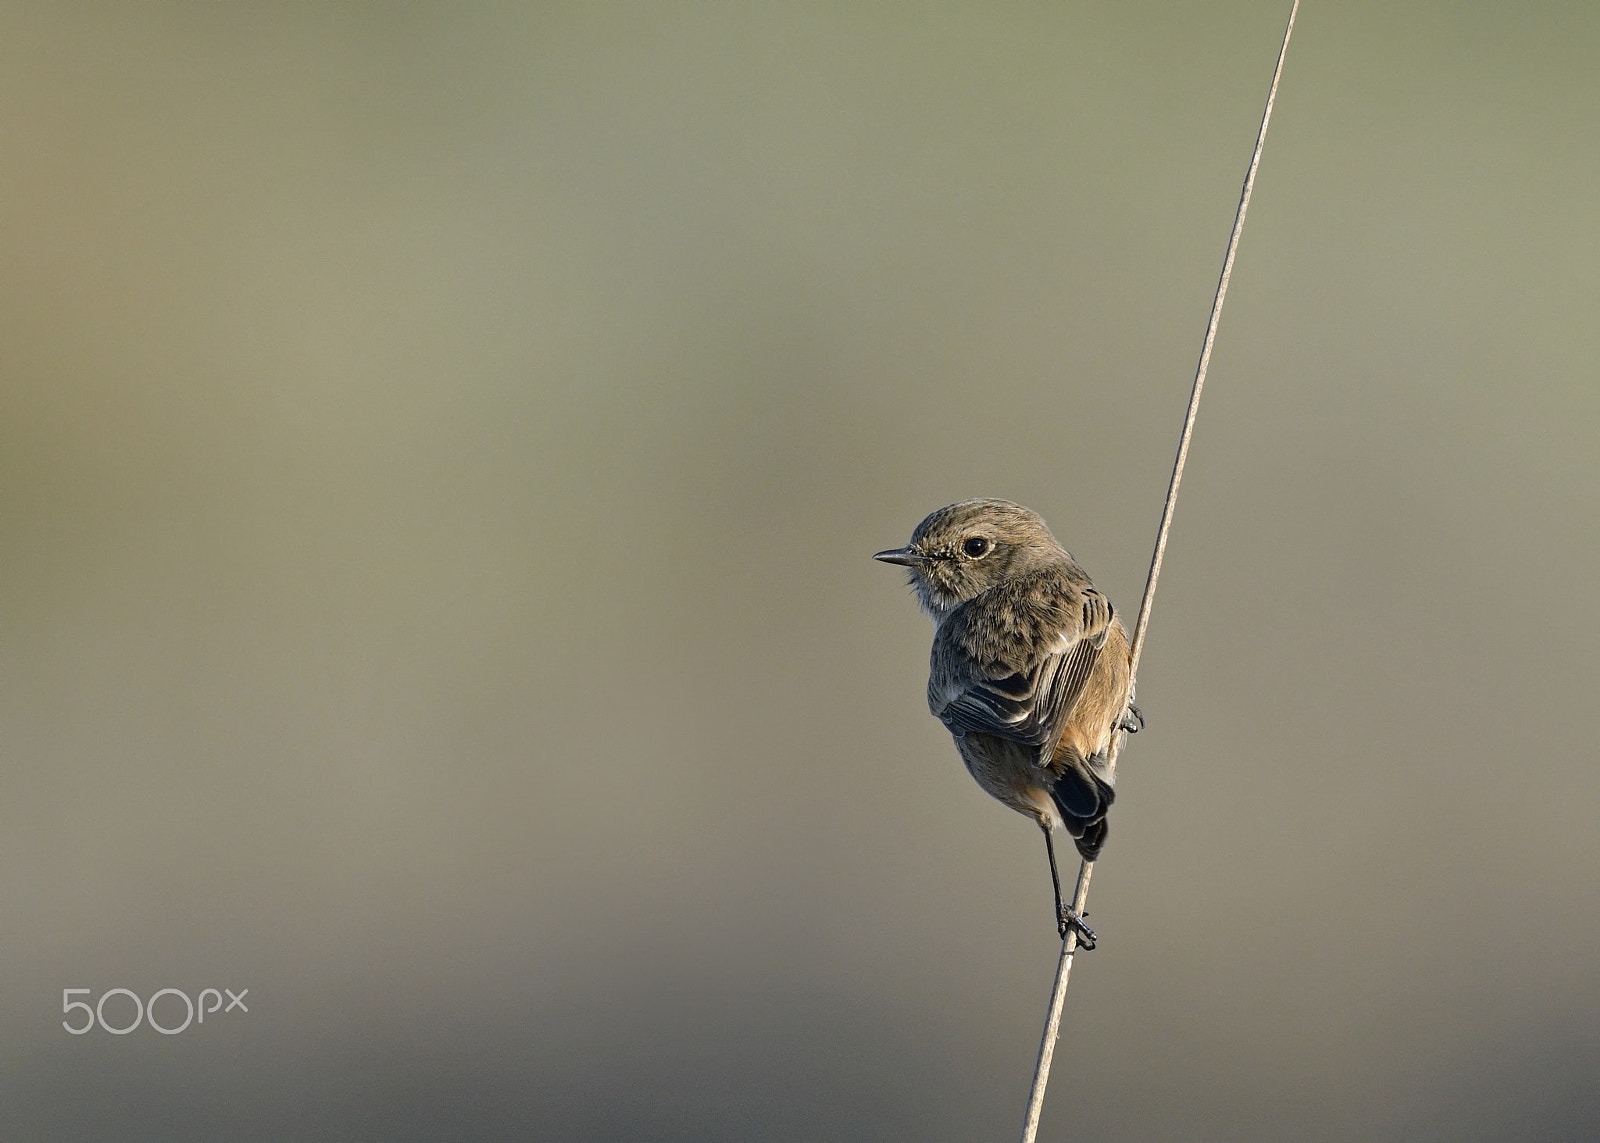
x=1080 y=897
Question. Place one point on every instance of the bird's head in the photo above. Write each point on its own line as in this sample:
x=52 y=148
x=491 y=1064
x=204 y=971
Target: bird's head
x=966 y=548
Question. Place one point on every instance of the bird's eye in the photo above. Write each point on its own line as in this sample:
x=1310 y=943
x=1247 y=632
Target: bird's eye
x=977 y=547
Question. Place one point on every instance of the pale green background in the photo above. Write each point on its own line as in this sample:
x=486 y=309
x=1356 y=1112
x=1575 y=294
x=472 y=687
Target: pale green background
x=441 y=448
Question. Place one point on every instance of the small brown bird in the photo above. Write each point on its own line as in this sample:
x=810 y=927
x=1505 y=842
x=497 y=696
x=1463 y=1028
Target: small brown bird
x=1031 y=670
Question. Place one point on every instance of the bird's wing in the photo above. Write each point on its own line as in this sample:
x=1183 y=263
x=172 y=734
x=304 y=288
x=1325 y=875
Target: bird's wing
x=1030 y=703
x=1032 y=707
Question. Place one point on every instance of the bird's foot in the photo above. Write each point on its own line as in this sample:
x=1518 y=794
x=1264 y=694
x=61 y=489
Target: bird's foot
x=1132 y=721
x=1069 y=920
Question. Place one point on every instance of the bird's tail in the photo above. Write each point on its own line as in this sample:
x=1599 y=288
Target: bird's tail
x=1083 y=794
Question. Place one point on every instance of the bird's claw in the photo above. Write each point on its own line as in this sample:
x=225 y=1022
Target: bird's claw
x=1068 y=921
x=1132 y=720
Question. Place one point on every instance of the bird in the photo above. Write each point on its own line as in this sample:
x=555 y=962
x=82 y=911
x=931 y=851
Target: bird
x=1031 y=670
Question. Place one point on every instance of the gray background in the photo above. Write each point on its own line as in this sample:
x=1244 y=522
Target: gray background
x=440 y=451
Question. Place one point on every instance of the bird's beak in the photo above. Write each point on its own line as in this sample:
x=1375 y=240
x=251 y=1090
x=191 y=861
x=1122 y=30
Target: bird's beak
x=903 y=556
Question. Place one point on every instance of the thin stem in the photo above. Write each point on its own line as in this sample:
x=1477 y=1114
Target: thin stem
x=1058 y=1000
x=1069 y=945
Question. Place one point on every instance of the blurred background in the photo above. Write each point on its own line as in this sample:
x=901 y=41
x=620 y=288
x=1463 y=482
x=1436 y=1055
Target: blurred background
x=441 y=448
